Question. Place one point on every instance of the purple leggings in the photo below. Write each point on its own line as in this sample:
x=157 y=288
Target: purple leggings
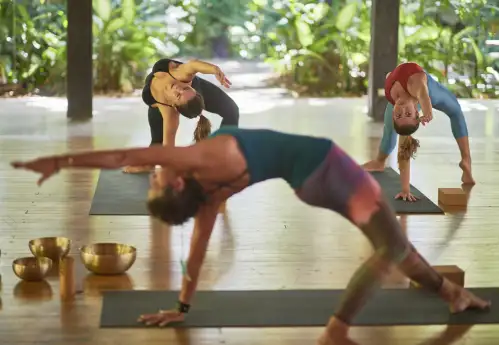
x=341 y=185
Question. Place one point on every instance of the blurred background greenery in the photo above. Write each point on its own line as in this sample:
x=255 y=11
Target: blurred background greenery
x=318 y=48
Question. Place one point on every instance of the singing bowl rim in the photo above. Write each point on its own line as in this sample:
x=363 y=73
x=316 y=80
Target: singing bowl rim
x=64 y=248
x=131 y=249
x=41 y=270
x=49 y=238
x=131 y=256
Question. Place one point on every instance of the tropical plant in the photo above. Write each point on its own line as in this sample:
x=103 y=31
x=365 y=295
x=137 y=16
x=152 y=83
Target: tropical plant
x=448 y=41
x=32 y=43
x=319 y=49
x=208 y=24
x=126 y=44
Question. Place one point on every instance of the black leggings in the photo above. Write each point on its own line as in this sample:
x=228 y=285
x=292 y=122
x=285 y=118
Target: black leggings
x=216 y=101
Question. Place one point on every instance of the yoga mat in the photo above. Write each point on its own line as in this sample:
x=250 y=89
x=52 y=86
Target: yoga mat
x=123 y=194
x=390 y=183
x=289 y=308
x=120 y=194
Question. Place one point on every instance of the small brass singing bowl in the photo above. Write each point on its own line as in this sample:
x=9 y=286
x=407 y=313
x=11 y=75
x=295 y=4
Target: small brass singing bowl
x=108 y=258
x=32 y=268
x=54 y=248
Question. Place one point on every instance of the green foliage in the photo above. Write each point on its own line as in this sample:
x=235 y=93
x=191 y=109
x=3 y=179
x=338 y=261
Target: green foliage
x=209 y=22
x=33 y=44
x=319 y=48
x=28 y=55
x=125 y=45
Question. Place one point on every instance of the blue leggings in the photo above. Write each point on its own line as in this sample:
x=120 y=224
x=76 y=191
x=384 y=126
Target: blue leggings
x=441 y=99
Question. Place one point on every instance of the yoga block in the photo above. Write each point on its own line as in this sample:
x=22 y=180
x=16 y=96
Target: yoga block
x=452 y=196
x=451 y=272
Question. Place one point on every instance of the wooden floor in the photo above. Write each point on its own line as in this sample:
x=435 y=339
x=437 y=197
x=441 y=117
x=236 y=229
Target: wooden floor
x=269 y=241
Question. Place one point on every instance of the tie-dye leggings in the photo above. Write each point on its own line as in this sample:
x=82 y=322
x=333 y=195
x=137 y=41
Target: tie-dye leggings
x=339 y=184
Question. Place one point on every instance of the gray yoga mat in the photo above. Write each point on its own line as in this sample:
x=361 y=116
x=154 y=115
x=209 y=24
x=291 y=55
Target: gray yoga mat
x=291 y=308
x=123 y=194
x=120 y=194
x=389 y=181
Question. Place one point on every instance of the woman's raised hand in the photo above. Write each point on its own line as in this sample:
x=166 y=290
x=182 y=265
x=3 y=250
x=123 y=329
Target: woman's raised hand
x=220 y=75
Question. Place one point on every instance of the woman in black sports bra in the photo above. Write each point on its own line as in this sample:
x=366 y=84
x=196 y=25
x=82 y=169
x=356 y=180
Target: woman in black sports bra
x=172 y=88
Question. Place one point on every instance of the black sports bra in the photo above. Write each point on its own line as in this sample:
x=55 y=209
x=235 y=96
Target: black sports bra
x=162 y=66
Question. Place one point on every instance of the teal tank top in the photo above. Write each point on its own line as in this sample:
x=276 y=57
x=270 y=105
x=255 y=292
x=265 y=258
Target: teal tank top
x=270 y=154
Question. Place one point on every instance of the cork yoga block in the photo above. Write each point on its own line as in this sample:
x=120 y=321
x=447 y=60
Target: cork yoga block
x=451 y=272
x=452 y=197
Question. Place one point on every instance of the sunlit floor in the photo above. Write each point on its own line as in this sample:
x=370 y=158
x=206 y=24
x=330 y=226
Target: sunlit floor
x=270 y=240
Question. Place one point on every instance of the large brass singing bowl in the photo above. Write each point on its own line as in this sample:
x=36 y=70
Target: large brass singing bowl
x=32 y=268
x=108 y=258
x=54 y=248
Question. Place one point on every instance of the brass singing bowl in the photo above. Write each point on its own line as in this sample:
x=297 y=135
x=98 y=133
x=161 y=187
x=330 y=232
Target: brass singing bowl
x=32 y=268
x=108 y=258
x=54 y=248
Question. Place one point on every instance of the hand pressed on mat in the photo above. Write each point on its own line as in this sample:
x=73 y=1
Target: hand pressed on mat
x=406 y=196
x=162 y=318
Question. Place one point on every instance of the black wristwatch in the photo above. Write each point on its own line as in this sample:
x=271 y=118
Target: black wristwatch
x=183 y=307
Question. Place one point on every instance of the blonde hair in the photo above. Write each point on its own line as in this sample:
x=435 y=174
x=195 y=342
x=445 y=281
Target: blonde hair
x=203 y=129
x=408 y=147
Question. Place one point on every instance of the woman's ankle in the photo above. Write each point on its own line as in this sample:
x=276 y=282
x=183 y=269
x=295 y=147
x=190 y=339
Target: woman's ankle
x=449 y=291
x=337 y=327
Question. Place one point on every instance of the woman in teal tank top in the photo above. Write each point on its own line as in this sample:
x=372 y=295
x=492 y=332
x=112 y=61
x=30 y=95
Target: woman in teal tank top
x=198 y=178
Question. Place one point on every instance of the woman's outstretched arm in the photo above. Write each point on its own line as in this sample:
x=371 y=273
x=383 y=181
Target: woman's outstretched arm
x=404 y=162
x=181 y=159
x=192 y=67
x=170 y=124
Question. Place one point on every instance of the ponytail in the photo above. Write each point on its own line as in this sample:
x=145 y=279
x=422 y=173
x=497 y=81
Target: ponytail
x=408 y=147
x=203 y=129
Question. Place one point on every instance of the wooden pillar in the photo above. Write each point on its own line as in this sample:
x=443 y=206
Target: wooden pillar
x=384 y=52
x=79 y=86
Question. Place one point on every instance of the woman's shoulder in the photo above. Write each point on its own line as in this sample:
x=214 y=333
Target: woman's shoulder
x=163 y=65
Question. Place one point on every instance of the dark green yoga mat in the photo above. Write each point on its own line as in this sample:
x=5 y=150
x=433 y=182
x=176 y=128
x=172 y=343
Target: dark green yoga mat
x=123 y=194
x=390 y=183
x=120 y=194
x=289 y=308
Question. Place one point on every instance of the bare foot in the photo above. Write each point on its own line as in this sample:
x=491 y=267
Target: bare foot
x=137 y=169
x=461 y=299
x=336 y=333
x=467 y=177
x=374 y=165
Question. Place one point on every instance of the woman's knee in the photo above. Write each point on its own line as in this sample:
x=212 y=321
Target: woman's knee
x=395 y=252
x=386 y=235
